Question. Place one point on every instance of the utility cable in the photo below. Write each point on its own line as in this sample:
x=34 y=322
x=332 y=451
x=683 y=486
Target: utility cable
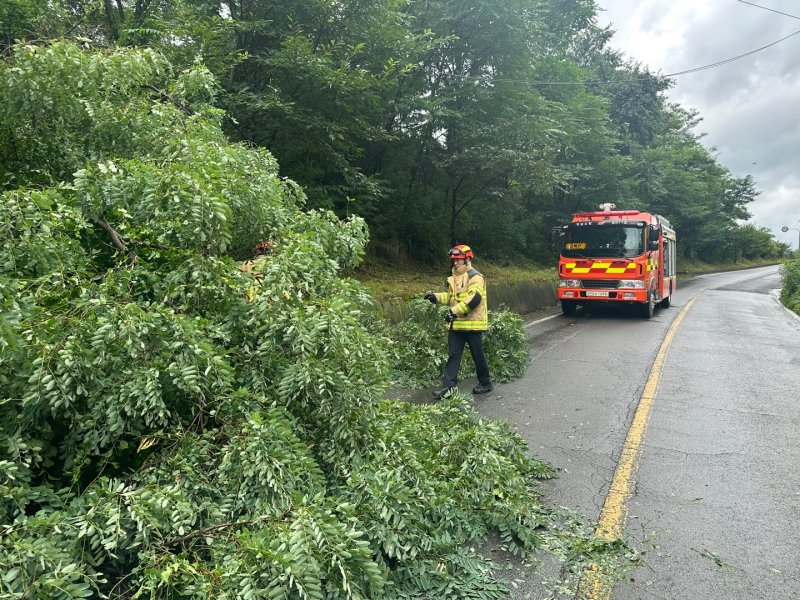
x=675 y=74
x=727 y=60
x=769 y=9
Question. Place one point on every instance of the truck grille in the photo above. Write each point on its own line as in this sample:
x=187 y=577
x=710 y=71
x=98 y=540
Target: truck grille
x=606 y=284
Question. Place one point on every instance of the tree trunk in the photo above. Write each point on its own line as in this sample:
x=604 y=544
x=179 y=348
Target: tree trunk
x=453 y=212
x=141 y=8
x=111 y=20
x=121 y=11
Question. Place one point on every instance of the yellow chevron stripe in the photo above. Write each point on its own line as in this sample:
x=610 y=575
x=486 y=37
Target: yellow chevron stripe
x=605 y=267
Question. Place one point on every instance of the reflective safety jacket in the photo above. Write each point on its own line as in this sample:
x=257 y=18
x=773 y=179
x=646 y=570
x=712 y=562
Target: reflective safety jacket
x=253 y=268
x=466 y=296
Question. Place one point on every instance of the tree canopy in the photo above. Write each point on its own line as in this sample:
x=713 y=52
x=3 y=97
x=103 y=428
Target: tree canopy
x=439 y=121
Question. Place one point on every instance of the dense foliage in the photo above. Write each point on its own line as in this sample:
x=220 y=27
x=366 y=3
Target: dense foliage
x=790 y=285
x=487 y=121
x=419 y=348
x=173 y=426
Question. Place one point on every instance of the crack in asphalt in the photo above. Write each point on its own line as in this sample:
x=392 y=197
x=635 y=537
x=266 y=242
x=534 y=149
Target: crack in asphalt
x=687 y=454
x=742 y=411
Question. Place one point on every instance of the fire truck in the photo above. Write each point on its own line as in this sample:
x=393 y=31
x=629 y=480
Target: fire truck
x=616 y=256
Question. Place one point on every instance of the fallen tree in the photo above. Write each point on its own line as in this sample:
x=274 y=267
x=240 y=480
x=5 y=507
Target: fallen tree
x=175 y=427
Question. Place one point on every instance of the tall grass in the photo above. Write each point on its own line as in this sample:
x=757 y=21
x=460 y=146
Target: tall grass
x=790 y=276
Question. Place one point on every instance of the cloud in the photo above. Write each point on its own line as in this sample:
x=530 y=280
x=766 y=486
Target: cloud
x=748 y=106
x=719 y=37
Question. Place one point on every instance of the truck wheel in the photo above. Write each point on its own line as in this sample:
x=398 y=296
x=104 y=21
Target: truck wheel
x=568 y=307
x=648 y=307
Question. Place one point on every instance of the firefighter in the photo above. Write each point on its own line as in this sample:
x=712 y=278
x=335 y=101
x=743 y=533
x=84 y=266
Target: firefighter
x=259 y=251
x=252 y=266
x=468 y=318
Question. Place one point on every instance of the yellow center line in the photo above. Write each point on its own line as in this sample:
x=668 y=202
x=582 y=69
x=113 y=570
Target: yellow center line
x=611 y=525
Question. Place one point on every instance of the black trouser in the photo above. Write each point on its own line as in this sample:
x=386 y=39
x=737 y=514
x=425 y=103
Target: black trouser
x=455 y=348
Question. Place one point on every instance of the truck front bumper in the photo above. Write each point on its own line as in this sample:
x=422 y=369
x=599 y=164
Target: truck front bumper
x=600 y=295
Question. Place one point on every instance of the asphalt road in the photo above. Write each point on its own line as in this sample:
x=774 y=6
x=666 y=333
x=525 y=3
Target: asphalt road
x=716 y=499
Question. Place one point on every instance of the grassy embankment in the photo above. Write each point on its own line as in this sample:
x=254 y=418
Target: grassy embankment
x=405 y=281
x=790 y=294
x=399 y=281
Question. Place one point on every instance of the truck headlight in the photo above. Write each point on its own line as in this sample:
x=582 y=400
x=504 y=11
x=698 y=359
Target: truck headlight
x=631 y=283
x=569 y=283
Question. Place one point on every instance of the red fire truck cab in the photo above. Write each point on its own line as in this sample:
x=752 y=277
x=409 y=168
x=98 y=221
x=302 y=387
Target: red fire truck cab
x=616 y=256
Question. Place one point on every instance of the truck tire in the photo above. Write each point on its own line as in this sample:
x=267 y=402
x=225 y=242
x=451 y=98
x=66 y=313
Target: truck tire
x=568 y=307
x=648 y=307
x=667 y=302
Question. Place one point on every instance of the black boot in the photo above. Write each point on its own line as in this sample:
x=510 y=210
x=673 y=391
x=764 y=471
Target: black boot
x=483 y=388
x=442 y=392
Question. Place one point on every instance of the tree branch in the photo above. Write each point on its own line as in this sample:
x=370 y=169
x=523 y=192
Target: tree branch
x=115 y=236
x=79 y=21
x=482 y=189
x=169 y=98
x=207 y=531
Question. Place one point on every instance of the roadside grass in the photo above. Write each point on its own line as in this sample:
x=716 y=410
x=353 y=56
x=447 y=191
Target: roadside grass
x=790 y=278
x=405 y=280
x=402 y=279
x=690 y=268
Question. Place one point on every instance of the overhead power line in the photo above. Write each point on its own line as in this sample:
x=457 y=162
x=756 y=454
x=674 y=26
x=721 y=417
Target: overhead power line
x=675 y=74
x=727 y=60
x=769 y=9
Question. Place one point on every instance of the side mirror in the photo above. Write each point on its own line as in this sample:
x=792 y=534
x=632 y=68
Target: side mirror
x=556 y=235
x=652 y=237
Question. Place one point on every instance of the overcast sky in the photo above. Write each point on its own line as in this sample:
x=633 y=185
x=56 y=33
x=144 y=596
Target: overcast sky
x=750 y=107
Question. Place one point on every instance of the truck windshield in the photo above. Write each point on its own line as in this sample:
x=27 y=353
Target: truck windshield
x=603 y=240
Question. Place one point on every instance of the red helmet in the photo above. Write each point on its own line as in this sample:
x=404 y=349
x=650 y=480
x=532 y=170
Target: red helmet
x=461 y=251
x=263 y=247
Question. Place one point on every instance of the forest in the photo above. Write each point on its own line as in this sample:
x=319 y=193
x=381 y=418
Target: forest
x=435 y=120
x=172 y=426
